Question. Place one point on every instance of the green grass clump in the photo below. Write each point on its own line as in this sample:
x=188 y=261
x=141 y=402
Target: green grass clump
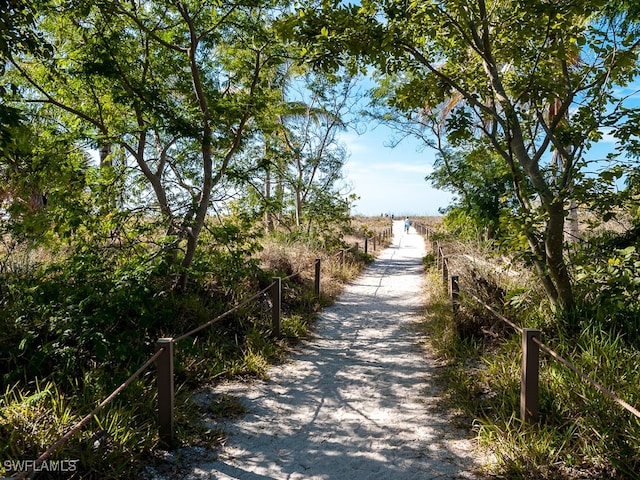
x=112 y=444
x=581 y=433
x=226 y=406
x=75 y=328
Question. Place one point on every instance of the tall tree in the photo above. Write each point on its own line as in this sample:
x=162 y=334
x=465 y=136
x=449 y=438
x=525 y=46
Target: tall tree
x=175 y=84
x=507 y=62
x=297 y=153
x=18 y=36
x=309 y=139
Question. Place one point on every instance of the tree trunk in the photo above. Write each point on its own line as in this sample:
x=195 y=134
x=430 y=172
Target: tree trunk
x=539 y=261
x=573 y=231
x=193 y=233
x=268 y=214
x=554 y=248
x=553 y=205
x=298 y=207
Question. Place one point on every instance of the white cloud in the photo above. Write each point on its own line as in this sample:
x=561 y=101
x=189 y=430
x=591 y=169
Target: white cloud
x=607 y=136
x=391 y=180
x=353 y=141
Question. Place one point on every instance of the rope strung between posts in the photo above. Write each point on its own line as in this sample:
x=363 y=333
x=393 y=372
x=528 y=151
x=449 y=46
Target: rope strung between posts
x=501 y=317
x=563 y=361
x=89 y=416
x=295 y=274
x=124 y=385
x=587 y=379
x=224 y=315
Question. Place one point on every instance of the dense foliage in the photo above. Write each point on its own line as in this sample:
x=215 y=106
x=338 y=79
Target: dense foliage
x=532 y=83
x=149 y=150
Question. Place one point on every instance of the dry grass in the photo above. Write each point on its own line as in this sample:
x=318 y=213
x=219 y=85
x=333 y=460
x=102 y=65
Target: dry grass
x=497 y=280
x=591 y=224
x=17 y=257
x=474 y=262
x=289 y=258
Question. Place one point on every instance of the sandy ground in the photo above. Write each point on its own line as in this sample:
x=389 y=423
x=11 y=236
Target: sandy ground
x=356 y=401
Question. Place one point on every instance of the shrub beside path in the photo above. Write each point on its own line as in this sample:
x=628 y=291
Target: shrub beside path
x=356 y=401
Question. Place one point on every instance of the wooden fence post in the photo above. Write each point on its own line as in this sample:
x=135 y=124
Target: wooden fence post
x=166 y=399
x=529 y=377
x=366 y=245
x=276 y=305
x=316 y=283
x=434 y=249
x=375 y=236
x=455 y=294
x=342 y=256
x=445 y=272
x=356 y=249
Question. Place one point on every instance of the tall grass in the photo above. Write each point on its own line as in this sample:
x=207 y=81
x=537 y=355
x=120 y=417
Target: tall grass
x=76 y=327
x=581 y=433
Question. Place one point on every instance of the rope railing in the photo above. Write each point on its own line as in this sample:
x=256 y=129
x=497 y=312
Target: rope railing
x=531 y=344
x=496 y=314
x=49 y=451
x=164 y=361
x=302 y=269
x=224 y=315
x=587 y=379
x=161 y=351
x=377 y=238
x=166 y=347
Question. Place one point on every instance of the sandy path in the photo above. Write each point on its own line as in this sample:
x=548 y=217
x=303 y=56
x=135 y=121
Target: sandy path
x=353 y=403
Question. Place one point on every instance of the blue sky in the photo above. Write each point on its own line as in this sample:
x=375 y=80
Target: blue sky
x=390 y=180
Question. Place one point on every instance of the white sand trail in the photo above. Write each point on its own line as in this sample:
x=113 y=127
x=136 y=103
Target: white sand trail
x=354 y=401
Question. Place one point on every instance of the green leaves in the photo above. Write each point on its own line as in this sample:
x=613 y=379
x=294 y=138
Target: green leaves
x=611 y=175
x=536 y=80
x=611 y=286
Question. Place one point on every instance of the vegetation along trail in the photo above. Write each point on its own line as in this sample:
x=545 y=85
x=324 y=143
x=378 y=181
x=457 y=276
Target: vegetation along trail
x=356 y=401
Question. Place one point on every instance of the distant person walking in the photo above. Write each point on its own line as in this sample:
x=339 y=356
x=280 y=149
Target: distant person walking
x=407 y=224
